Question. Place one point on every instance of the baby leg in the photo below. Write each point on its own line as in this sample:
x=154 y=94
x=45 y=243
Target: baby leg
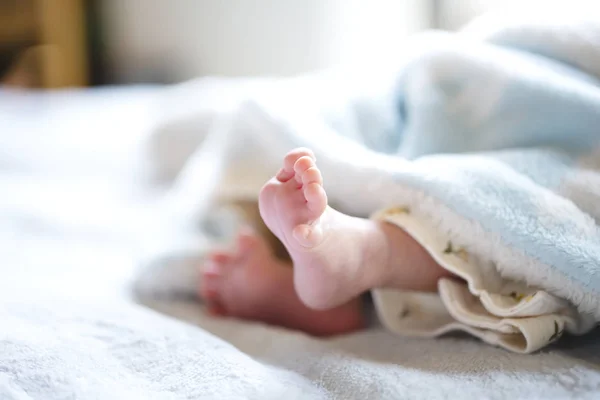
x=337 y=257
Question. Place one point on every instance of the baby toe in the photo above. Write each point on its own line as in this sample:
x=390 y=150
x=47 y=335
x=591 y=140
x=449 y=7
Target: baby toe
x=303 y=164
x=209 y=286
x=284 y=175
x=219 y=258
x=312 y=175
x=316 y=198
x=293 y=156
x=247 y=241
x=215 y=308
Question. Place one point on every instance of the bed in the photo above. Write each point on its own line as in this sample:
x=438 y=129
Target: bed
x=74 y=209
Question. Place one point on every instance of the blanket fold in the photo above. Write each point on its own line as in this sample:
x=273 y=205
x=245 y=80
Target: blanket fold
x=499 y=311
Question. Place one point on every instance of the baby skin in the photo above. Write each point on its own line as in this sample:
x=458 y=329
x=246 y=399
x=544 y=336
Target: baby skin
x=335 y=257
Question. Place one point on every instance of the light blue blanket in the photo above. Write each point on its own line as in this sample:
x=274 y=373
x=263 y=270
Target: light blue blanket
x=491 y=137
x=531 y=127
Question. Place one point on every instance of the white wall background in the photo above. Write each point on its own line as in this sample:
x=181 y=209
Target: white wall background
x=174 y=40
x=453 y=14
x=181 y=39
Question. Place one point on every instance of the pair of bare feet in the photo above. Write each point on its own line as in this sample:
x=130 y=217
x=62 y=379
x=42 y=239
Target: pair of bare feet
x=335 y=259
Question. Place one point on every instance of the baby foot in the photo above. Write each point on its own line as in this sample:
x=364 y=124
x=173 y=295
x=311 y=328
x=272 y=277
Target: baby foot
x=240 y=283
x=292 y=203
x=328 y=248
x=243 y=284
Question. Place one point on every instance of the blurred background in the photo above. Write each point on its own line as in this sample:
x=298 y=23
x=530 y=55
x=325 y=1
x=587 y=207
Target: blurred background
x=79 y=43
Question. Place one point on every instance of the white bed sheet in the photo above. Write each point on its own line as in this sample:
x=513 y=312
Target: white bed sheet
x=73 y=224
